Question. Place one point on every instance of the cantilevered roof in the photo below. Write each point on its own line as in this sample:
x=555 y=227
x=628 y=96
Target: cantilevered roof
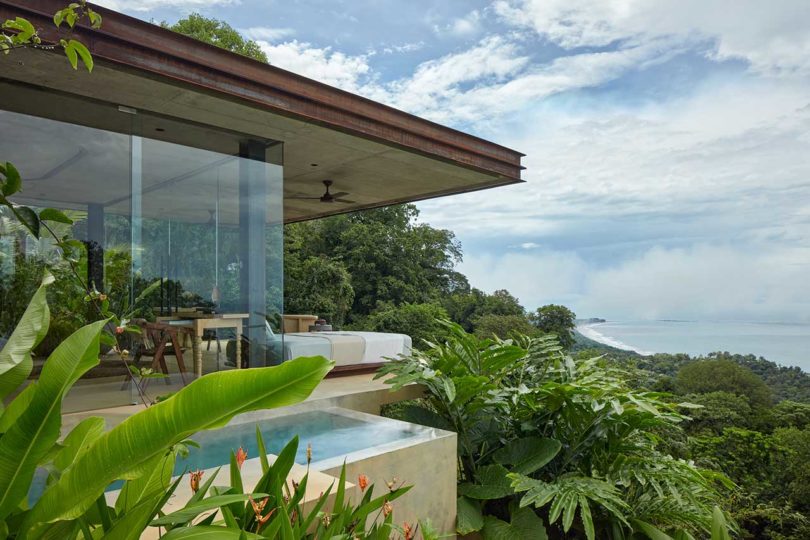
x=377 y=153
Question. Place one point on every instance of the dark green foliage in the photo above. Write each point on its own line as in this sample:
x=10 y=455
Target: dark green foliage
x=719 y=410
x=391 y=258
x=217 y=33
x=557 y=320
x=319 y=286
x=723 y=375
x=566 y=438
x=504 y=326
x=420 y=321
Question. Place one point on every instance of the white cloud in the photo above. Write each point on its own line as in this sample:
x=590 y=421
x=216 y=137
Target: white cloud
x=704 y=281
x=267 y=33
x=323 y=64
x=462 y=27
x=149 y=5
x=772 y=36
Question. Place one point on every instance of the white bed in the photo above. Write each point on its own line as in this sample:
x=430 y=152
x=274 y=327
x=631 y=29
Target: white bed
x=347 y=348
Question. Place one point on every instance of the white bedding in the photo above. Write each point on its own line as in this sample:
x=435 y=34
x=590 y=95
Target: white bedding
x=347 y=348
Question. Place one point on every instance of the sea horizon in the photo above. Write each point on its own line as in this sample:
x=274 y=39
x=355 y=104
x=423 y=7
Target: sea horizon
x=785 y=343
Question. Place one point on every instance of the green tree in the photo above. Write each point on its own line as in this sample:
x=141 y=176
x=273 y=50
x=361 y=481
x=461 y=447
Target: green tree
x=217 y=33
x=725 y=376
x=557 y=320
x=503 y=326
x=718 y=410
x=466 y=306
x=320 y=286
x=391 y=257
x=419 y=321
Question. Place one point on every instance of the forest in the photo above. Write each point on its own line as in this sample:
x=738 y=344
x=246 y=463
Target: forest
x=746 y=417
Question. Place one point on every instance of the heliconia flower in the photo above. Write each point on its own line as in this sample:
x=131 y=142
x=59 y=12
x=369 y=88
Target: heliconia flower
x=258 y=508
x=309 y=453
x=392 y=484
x=362 y=481
x=407 y=531
x=241 y=456
x=119 y=330
x=326 y=520
x=194 y=479
x=387 y=509
x=102 y=297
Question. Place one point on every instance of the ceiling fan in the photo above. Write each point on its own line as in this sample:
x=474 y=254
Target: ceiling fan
x=327 y=197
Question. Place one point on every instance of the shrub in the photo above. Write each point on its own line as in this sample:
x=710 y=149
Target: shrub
x=706 y=376
x=537 y=429
x=420 y=321
x=503 y=326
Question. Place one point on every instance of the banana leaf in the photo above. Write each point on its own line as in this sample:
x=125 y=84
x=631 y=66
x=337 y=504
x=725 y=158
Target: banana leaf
x=207 y=403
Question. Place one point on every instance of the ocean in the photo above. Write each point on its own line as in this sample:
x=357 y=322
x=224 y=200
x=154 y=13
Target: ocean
x=783 y=343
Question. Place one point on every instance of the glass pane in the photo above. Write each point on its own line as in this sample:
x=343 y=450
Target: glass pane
x=181 y=225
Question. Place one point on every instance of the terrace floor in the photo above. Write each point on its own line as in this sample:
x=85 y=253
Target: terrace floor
x=356 y=392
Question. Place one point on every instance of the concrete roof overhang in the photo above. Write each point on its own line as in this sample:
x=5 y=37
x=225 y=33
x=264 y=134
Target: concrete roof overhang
x=379 y=154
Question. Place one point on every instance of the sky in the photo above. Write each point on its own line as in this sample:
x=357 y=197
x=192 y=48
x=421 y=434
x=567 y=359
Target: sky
x=668 y=142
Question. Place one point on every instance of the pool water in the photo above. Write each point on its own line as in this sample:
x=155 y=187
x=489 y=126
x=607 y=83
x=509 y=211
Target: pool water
x=330 y=434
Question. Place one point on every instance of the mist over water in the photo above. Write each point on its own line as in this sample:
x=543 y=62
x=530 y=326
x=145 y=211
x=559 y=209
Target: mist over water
x=784 y=343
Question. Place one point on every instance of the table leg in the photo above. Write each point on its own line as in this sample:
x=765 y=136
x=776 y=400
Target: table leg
x=238 y=347
x=197 y=349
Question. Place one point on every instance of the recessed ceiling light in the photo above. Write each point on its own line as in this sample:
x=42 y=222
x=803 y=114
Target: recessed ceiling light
x=313 y=164
x=160 y=129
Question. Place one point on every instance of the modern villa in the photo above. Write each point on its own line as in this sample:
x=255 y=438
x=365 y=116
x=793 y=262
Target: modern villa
x=181 y=163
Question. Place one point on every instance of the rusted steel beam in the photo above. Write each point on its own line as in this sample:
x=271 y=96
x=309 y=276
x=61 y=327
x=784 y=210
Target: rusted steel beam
x=146 y=47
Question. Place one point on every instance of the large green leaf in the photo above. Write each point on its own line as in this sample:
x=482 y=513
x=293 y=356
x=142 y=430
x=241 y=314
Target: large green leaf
x=652 y=532
x=492 y=483
x=208 y=532
x=527 y=455
x=78 y=440
x=719 y=525
x=524 y=525
x=190 y=511
x=469 y=518
x=158 y=476
x=34 y=433
x=15 y=357
x=207 y=403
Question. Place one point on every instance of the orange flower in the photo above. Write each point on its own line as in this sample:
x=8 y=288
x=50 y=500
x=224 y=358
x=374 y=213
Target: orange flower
x=258 y=508
x=387 y=509
x=407 y=531
x=362 y=481
x=241 y=456
x=119 y=330
x=194 y=479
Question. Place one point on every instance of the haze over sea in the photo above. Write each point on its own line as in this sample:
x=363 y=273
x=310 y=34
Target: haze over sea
x=784 y=343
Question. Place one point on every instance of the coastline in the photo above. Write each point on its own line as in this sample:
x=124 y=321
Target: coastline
x=589 y=331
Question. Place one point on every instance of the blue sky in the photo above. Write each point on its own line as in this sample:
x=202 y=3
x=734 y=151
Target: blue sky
x=667 y=142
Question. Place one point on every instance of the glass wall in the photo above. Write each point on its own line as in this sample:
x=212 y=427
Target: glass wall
x=180 y=224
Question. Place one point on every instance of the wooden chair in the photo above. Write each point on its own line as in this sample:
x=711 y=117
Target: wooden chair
x=157 y=340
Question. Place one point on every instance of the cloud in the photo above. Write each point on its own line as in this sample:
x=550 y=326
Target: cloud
x=703 y=281
x=771 y=36
x=267 y=33
x=323 y=64
x=462 y=27
x=149 y=5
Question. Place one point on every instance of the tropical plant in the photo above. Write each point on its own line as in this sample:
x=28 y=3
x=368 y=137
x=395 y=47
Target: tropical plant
x=275 y=507
x=140 y=450
x=537 y=429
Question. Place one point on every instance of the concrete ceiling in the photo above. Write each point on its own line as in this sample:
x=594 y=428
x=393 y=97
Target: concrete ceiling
x=373 y=173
